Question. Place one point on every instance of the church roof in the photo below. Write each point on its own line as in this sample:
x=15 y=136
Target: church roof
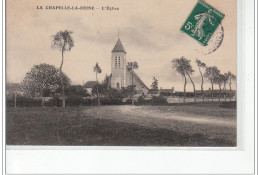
x=138 y=79
x=119 y=47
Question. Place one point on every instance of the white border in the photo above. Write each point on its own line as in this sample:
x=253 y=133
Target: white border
x=2 y=88
x=110 y=160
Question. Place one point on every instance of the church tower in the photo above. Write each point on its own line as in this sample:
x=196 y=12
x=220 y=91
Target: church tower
x=118 y=66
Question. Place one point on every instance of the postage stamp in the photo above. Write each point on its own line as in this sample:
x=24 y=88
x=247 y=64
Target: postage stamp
x=213 y=44
x=202 y=22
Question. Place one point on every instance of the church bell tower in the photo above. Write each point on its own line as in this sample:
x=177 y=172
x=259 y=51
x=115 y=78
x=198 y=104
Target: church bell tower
x=118 y=66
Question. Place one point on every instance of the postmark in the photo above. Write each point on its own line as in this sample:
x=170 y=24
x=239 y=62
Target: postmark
x=214 y=43
x=202 y=22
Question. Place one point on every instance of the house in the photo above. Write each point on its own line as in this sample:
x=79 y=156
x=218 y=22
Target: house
x=167 y=92
x=88 y=86
x=152 y=92
x=161 y=91
x=14 y=88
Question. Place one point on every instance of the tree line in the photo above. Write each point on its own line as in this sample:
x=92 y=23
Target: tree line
x=211 y=73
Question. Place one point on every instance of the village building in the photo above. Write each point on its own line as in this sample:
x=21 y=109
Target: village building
x=14 y=88
x=160 y=92
x=121 y=76
x=167 y=92
x=88 y=86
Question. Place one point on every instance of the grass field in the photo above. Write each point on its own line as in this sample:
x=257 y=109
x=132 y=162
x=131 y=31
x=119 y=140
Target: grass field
x=208 y=124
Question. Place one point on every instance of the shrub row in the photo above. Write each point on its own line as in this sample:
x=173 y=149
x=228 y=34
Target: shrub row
x=55 y=101
x=155 y=100
x=23 y=102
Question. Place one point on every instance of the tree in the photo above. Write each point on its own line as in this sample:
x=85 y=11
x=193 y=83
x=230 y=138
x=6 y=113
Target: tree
x=131 y=66
x=212 y=73
x=154 y=85
x=220 y=81
x=98 y=70
x=106 y=82
x=230 y=78
x=128 y=91
x=101 y=89
x=64 y=42
x=106 y=85
x=201 y=65
x=189 y=72
x=225 y=80
x=42 y=78
x=183 y=67
x=76 y=90
x=114 y=96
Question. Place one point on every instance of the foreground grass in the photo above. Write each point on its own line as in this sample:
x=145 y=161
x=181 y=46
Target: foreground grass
x=70 y=126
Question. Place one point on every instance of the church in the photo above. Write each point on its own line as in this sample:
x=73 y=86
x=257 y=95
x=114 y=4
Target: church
x=121 y=76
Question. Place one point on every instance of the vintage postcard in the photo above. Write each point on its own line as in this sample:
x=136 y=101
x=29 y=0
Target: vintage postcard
x=159 y=73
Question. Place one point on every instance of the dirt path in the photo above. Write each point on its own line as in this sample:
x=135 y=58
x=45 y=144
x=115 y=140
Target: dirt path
x=177 y=121
x=177 y=116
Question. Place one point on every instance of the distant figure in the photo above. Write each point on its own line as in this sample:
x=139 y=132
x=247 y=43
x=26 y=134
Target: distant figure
x=201 y=21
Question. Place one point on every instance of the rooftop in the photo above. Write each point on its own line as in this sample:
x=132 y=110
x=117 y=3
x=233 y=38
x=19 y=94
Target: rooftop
x=138 y=79
x=90 y=84
x=118 y=47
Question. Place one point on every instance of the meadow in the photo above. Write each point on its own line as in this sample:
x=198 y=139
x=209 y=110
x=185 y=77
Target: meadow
x=191 y=124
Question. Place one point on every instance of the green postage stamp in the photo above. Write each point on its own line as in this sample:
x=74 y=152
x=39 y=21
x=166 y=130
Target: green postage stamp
x=202 y=22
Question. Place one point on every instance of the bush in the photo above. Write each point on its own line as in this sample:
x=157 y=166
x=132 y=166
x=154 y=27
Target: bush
x=159 y=100
x=116 y=101
x=75 y=90
x=128 y=101
x=55 y=101
x=141 y=100
x=74 y=100
x=23 y=102
x=104 y=101
x=110 y=101
x=87 y=102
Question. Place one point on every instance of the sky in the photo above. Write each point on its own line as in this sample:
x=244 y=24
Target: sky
x=148 y=29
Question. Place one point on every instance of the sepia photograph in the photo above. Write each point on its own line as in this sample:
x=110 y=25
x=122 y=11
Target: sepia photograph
x=160 y=73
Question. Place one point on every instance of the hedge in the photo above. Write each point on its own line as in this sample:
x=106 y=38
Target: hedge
x=23 y=102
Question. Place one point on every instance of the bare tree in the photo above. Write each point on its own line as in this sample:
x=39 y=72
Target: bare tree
x=212 y=74
x=231 y=77
x=64 y=42
x=201 y=65
x=131 y=66
x=183 y=67
x=98 y=70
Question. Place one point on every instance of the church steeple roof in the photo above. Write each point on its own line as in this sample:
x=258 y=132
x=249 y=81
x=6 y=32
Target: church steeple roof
x=118 y=47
